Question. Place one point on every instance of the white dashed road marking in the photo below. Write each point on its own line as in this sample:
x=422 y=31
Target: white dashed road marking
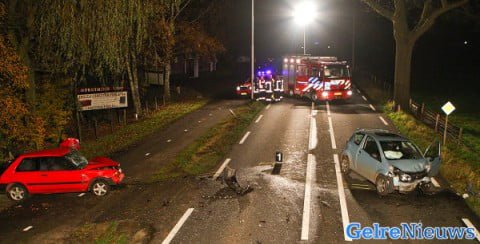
x=259 y=118
x=364 y=98
x=28 y=228
x=268 y=106
x=177 y=227
x=341 y=196
x=469 y=224
x=222 y=167
x=244 y=138
x=372 y=107
x=383 y=120
x=435 y=182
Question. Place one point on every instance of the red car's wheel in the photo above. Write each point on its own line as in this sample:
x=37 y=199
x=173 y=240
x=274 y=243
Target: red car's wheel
x=100 y=188
x=17 y=192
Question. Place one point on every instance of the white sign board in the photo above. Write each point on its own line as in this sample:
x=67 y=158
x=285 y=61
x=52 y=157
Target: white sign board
x=103 y=100
x=448 y=108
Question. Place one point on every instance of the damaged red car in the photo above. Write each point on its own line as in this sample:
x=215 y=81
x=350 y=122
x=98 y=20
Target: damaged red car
x=59 y=170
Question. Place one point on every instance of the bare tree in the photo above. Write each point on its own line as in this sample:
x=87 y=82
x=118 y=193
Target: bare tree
x=408 y=27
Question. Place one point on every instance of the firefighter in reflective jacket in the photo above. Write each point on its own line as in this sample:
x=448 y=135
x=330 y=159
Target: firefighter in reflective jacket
x=255 y=88
x=261 y=89
x=278 y=89
x=269 y=89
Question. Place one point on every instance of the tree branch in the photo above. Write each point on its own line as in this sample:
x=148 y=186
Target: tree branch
x=379 y=9
x=429 y=19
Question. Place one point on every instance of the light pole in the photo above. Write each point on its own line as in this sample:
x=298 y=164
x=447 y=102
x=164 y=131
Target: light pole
x=304 y=13
x=252 y=58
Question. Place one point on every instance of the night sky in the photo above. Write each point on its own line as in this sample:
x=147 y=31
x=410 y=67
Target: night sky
x=440 y=56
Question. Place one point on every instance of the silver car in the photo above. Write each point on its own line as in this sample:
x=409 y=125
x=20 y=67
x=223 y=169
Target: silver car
x=390 y=161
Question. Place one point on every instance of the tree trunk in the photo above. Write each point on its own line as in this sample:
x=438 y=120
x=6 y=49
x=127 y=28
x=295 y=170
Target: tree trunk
x=403 y=60
x=133 y=85
x=166 y=87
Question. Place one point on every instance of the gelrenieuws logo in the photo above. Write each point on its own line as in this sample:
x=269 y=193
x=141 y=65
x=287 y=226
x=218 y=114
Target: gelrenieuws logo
x=408 y=231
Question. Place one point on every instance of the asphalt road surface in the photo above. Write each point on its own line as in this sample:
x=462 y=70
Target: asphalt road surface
x=308 y=202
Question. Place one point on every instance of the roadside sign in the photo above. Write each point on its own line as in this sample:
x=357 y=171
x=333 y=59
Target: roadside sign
x=448 y=108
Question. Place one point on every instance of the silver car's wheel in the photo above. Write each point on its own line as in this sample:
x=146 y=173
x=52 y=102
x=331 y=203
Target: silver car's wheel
x=17 y=193
x=345 y=166
x=100 y=188
x=384 y=185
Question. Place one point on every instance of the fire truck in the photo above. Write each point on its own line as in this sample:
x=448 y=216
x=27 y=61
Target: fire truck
x=319 y=78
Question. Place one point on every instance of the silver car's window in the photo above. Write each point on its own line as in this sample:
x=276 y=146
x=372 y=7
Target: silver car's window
x=357 y=138
x=395 y=150
x=371 y=148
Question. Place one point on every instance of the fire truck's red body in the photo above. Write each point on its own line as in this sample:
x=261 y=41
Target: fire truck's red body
x=320 y=78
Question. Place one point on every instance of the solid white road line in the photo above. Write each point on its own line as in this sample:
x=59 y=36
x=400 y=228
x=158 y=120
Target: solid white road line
x=332 y=134
x=222 y=167
x=177 y=227
x=313 y=140
x=268 y=106
x=311 y=165
x=328 y=109
x=383 y=120
x=435 y=182
x=364 y=98
x=259 y=118
x=469 y=224
x=372 y=107
x=244 y=138
x=341 y=195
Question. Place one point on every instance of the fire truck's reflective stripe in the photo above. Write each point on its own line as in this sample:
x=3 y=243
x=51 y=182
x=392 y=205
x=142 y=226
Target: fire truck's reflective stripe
x=469 y=224
x=177 y=227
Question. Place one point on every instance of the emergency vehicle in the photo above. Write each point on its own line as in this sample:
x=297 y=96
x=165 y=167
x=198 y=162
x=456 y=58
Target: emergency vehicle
x=245 y=88
x=319 y=78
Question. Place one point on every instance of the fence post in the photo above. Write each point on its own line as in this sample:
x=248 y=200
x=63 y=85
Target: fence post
x=437 y=118
x=125 y=116
x=156 y=103
x=410 y=104
x=111 y=121
x=146 y=106
x=460 y=133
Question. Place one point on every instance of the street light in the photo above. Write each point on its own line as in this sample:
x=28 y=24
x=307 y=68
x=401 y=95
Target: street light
x=304 y=13
x=252 y=58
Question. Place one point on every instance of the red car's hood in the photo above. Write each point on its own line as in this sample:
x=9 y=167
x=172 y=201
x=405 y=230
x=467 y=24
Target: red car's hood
x=101 y=162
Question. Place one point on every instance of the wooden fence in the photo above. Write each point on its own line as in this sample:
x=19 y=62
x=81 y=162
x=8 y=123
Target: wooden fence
x=435 y=121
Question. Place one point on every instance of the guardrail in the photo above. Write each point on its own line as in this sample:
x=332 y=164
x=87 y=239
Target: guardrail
x=435 y=121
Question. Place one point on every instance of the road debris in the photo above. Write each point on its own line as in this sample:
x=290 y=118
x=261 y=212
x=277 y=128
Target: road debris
x=465 y=195
x=229 y=177
x=147 y=154
x=326 y=204
x=81 y=194
x=28 y=228
x=186 y=130
x=169 y=140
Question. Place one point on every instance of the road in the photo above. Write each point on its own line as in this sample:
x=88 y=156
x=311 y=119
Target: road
x=308 y=202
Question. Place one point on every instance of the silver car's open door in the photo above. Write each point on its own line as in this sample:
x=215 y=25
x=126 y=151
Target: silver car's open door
x=434 y=156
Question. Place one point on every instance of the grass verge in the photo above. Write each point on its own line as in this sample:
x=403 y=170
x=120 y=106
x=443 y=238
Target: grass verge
x=132 y=133
x=207 y=151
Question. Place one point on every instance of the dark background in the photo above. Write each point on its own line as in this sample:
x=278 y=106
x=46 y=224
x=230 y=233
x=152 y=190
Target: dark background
x=441 y=59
